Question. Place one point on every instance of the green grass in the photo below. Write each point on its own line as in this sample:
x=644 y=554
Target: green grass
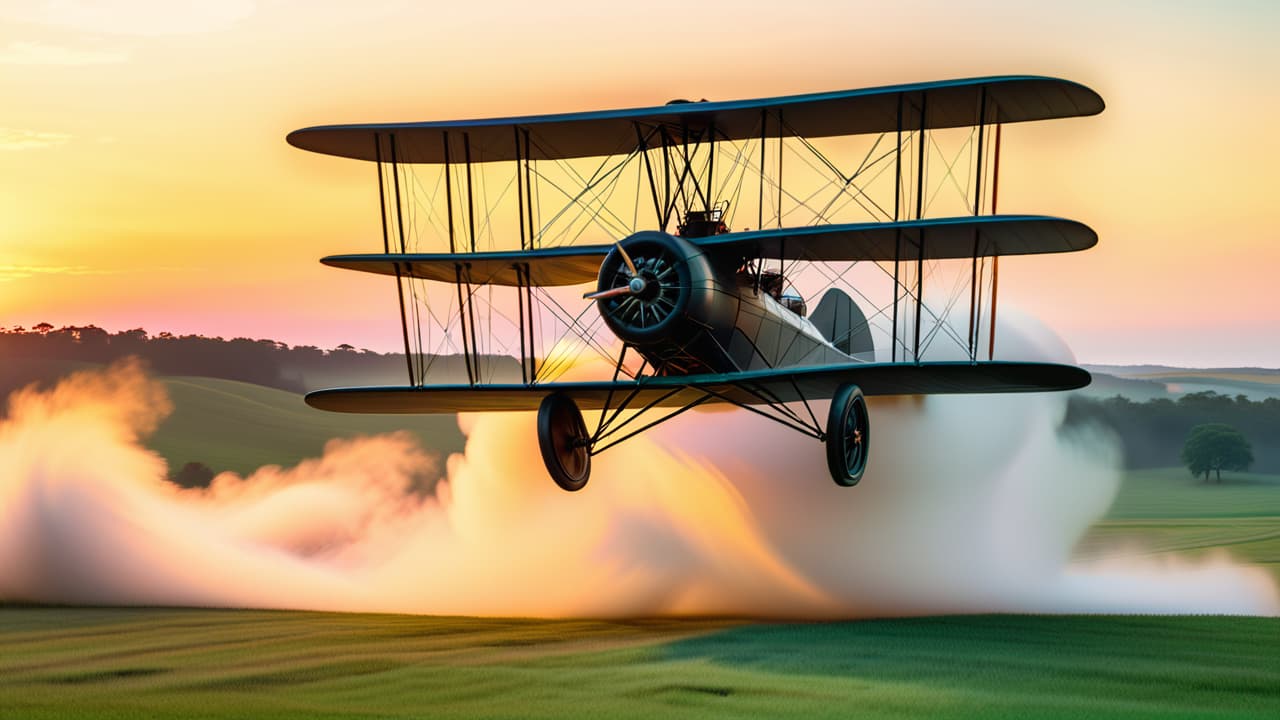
x=237 y=426
x=1163 y=512
x=127 y=663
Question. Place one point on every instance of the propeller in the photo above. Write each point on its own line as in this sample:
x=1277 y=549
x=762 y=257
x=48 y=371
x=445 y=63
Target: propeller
x=635 y=285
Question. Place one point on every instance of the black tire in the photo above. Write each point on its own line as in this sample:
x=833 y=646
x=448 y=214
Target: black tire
x=848 y=436
x=563 y=438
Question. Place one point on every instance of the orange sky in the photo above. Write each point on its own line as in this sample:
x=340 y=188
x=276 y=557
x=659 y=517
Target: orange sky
x=145 y=181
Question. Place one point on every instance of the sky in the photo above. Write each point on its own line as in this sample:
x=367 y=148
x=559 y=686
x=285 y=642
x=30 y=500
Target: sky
x=145 y=180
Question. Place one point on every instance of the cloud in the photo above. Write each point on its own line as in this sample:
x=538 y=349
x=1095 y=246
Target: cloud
x=132 y=17
x=19 y=272
x=37 y=53
x=19 y=139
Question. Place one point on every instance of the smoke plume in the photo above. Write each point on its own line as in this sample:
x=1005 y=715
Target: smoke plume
x=970 y=504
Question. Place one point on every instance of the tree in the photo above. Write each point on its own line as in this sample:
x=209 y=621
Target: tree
x=193 y=475
x=1215 y=447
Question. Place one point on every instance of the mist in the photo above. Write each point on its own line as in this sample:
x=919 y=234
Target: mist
x=969 y=504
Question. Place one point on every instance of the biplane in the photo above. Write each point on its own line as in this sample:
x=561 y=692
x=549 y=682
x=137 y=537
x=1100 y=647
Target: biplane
x=667 y=241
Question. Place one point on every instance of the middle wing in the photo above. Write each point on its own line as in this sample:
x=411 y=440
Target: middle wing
x=747 y=388
x=934 y=238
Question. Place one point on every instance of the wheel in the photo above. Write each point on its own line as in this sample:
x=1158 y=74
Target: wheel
x=848 y=436
x=565 y=443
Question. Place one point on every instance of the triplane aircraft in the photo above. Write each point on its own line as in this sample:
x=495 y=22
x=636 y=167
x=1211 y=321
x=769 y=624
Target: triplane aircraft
x=705 y=309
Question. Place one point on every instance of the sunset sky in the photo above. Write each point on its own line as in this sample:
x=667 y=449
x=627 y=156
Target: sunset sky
x=145 y=179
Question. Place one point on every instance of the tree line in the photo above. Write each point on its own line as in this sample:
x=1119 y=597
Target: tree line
x=1154 y=433
x=262 y=362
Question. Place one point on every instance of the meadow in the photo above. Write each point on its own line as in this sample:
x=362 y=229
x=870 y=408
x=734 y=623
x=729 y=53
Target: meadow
x=58 y=662
x=1164 y=512
x=237 y=426
x=140 y=662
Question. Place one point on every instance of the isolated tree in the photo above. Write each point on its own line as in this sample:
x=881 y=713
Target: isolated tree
x=1215 y=447
x=192 y=475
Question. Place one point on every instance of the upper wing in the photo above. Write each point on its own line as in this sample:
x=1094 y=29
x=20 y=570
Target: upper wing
x=946 y=103
x=749 y=388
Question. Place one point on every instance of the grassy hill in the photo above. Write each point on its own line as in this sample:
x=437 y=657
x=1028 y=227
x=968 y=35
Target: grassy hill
x=237 y=426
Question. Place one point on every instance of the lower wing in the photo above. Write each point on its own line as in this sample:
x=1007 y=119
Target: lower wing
x=757 y=387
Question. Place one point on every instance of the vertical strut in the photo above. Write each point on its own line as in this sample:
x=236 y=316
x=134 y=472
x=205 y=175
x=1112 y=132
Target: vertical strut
x=995 y=260
x=519 y=201
x=395 y=179
x=528 y=304
x=977 y=210
x=781 y=147
x=462 y=320
x=524 y=369
x=471 y=206
x=764 y=117
x=711 y=166
x=448 y=194
x=386 y=247
x=897 y=236
x=921 y=152
x=528 y=183
x=642 y=146
x=667 y=202
x=382 y=190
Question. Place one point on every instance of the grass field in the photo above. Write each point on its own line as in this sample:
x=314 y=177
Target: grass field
x=237 y=426
x=1161 y=512
x=129 y=663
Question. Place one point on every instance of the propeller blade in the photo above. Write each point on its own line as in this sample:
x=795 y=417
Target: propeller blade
x=611 y=292
x=627 y=259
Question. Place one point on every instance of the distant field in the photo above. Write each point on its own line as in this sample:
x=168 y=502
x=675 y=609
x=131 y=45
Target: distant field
x=132 y=663
x=1262 y=377
x=1167 y=511
x=237 y=426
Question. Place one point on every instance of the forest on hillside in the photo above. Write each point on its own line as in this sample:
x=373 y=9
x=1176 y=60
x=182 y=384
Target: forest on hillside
x=1152 y=433
x=262 y=362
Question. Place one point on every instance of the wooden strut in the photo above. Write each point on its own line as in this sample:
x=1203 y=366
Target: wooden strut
x=921 y=152
x=528 y=184
x=448 y=192
x=519 y=192
x=642 y=147
x=524 y=370
x=897 y=238
x=471 y=205
x=977 y=210
x=995 y=260
x=528 y=304
x=462 y=320
x=386 y=247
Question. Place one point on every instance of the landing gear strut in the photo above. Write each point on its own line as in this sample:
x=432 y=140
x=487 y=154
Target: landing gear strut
x=848 y=436
x=565 y=442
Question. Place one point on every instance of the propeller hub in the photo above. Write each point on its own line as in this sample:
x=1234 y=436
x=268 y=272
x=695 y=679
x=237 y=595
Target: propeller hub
x=637 y=285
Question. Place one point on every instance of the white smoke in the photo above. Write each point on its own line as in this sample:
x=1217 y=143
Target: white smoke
x=970 y=504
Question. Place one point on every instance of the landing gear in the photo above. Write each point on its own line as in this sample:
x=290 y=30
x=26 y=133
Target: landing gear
x=848 y=436
x=565 y=443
